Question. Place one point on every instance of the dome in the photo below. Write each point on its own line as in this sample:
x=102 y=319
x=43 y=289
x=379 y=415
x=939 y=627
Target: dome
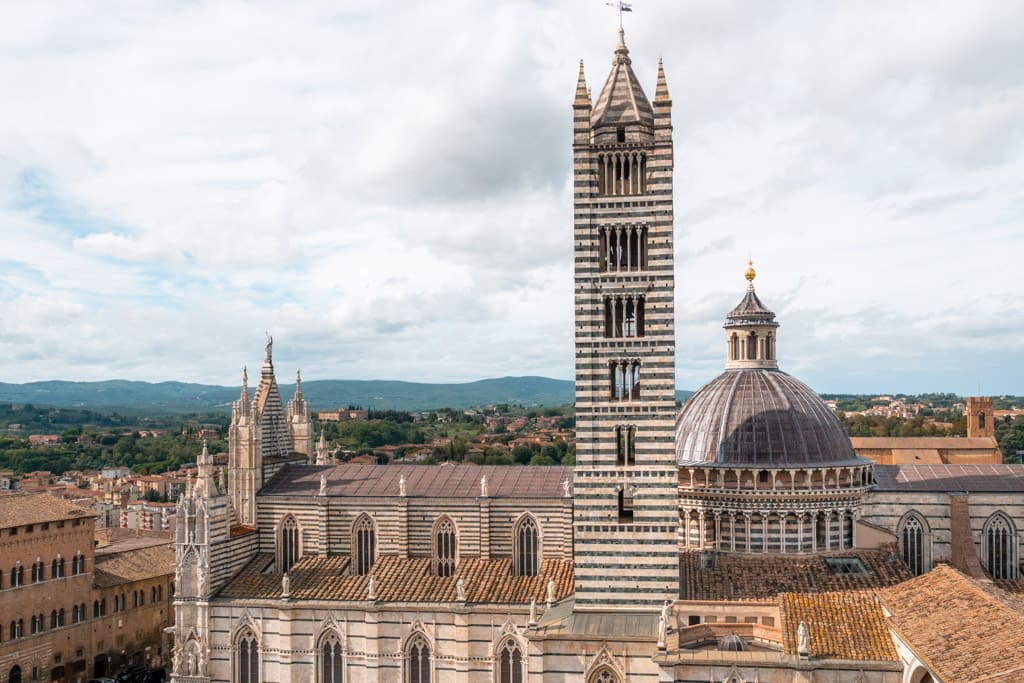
x=760 y=417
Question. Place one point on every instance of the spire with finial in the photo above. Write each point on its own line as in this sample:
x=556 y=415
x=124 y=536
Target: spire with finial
x=321 y=448
x=298 y=385
x=621 y=51
x=582 y=91
x=661 y=95
x=750 y=274
x=268 y=355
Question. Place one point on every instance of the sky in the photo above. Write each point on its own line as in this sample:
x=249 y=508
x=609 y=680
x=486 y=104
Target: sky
x=385 y=186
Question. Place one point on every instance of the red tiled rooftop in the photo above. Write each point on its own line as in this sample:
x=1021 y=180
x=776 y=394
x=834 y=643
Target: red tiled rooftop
x=400 y=580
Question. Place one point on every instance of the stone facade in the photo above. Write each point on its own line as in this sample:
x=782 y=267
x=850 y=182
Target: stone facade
x=71 y=609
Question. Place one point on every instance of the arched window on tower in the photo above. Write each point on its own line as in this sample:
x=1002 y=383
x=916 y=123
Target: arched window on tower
x=981 y=420
x=734 y=347
x=625 y=445
x=330 y=662
x=364 y=544
x=288 y=543
x=510 y=662
x=751 y=346
x=913 y=536
x=999 y=547
x=247 y=658
x=417 y=653
x=527 y=547
x=445 y=547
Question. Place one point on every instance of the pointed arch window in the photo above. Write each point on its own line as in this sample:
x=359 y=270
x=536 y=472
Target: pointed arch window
x=288 y=543
x=604 y=675
x=999 y=547
x=912 y=538
x=15 y=674
x=445 y=547
x=527 y=547
x=510 y=662
x=247 y=664
x=417 y=660
x=331 y=665
x=364 y=544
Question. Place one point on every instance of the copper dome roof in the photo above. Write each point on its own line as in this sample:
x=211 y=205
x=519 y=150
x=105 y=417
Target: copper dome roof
x=760 y=417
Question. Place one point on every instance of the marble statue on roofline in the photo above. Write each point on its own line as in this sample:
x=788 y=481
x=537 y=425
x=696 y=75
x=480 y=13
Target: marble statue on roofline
x=371 y=591
x=460 y=590
x=401 y=486
x=483 y=486
x=551 y=592
x=566 y=489
x=286 y=585
x=533 y=612
x=803 y=637
x=323 y=484
x=662 y=631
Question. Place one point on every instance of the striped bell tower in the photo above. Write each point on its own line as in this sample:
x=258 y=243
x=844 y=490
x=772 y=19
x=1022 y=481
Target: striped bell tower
x=626 y=515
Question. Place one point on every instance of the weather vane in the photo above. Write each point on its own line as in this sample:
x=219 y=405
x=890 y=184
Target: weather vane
x=622 y=7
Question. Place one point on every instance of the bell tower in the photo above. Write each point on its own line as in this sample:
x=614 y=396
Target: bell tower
x=626 y=511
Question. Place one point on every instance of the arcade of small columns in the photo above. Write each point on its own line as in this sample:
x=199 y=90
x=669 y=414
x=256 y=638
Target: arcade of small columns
x=748 y=510
x=623 y=248
x=622 y=172
x=625 y=379
x=624 y=316
x=751 y=346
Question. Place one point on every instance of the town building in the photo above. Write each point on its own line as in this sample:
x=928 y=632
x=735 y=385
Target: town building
x=741 y=540
x=74 y=605
x=978 y=448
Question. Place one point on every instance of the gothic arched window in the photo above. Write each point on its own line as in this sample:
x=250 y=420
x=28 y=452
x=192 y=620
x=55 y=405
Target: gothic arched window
x=417 y=660
x=912 y=544
x=445 y=545
x=329 y=652
x=999 y=551
x=527 y=547
x=288 y=543
x=364 y=544
x=510 y=662
x=247 y=664
x=17 y=575
x=15 y=675
x=604 y=675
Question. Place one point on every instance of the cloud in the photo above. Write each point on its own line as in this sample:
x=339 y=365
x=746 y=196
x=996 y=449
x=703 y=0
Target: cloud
x=388 y=188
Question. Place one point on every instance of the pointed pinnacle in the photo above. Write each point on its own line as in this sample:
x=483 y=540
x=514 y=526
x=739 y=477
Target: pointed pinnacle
x=661 y=91
x=582 y=92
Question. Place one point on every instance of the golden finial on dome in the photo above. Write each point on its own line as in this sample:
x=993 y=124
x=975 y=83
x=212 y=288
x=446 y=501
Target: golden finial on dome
x=751 y=273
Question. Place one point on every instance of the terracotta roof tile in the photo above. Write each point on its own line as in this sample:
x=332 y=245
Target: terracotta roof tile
x=400 y=580
x=134 y=565
x=441 y=481
x=18 y=509
x=963 y=629
x=842 y=625
x=762 y=577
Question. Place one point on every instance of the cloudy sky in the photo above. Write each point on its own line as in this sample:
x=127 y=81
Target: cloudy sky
x=385 y=186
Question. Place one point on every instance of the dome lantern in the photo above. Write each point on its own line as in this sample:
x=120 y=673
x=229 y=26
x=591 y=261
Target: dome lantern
x=750 y=331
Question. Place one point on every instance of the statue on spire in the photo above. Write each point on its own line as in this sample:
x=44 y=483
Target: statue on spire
x=269 y=348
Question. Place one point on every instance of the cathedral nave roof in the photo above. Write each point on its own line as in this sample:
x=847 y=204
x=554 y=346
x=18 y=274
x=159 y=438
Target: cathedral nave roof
x=401 y=580
x=422 y=481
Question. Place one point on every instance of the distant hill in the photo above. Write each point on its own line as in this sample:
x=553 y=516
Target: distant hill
x=135 y=398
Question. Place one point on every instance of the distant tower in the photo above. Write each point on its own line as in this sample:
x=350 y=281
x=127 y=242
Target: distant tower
x=626 y=512
x=981 y=417
x=300 y=423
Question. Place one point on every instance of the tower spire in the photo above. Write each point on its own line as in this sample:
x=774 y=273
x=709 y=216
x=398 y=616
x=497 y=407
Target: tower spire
x=582 y=92
x=661 y=95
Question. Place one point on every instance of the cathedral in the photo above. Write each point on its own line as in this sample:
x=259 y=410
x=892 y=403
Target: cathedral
x=739 y=540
